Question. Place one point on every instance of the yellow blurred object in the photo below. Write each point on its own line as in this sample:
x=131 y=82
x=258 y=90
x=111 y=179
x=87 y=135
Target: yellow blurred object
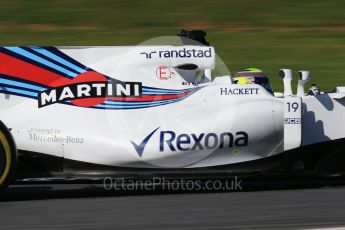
x=243 y=80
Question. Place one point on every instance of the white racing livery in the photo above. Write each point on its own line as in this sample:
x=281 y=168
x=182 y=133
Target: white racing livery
x=87 y=112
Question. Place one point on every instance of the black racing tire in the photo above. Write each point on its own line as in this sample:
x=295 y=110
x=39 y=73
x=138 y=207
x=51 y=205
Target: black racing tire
x=8 y=157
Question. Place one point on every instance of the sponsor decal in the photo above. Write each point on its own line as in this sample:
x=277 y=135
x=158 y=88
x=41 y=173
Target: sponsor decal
x=190 y=83
x=239 y=91
x=179 y=53
x=141 y=147
x=164 y=72
x=171 y=141
x=292 y=120
x=149 y=55
x=89 y=90
x=52 y=136
x=50 y=76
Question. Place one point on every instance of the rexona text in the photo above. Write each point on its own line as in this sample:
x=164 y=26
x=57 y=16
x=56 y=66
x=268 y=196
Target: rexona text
x=169 y=140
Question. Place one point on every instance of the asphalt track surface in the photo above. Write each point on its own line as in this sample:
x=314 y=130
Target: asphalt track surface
x=75 y=206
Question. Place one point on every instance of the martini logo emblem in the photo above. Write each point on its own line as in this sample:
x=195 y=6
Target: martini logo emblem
x=88 y=89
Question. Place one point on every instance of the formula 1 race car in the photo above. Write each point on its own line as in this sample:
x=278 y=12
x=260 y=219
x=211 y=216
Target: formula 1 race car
x=137 y=111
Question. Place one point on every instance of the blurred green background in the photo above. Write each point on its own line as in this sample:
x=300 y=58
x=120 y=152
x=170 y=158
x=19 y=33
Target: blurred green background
x=267 y=34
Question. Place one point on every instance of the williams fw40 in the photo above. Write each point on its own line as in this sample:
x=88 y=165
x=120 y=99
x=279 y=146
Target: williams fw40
x=91 y=112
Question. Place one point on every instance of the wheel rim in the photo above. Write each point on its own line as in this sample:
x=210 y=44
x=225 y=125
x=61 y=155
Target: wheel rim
x=6 y=150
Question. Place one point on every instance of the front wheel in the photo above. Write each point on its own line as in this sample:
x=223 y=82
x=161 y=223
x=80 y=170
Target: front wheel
x=8 y=157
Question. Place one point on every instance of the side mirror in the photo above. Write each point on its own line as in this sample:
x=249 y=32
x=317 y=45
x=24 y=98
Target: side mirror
x=286 y=74
x=304 y=77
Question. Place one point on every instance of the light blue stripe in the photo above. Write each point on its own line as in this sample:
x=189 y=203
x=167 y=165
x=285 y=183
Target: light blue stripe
x=136 y=103
x=140 y=106
x=164 y=90
x=155 y=93
x=19 y=91
x=21 y=84
x=40 y=60
x=57 y=58
x=128 y=107
x=136 y=107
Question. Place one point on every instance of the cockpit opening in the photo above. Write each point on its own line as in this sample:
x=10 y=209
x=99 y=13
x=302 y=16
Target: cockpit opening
x=252 y=76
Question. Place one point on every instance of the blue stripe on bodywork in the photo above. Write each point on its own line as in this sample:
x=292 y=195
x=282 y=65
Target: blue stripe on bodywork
x=138 y=106
x=136 y=103
x=156 y=90
x=21 y=84
x=58 y=59
x=36 y=58
x=6 y=89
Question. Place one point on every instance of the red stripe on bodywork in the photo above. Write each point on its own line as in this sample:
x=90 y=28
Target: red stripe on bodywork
x=17 y=68
x=150 y=97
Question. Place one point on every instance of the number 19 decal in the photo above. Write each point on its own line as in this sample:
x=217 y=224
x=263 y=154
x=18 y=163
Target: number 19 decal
x=292 y=106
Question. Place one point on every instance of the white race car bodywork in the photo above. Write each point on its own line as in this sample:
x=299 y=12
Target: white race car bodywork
x=185 y=122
